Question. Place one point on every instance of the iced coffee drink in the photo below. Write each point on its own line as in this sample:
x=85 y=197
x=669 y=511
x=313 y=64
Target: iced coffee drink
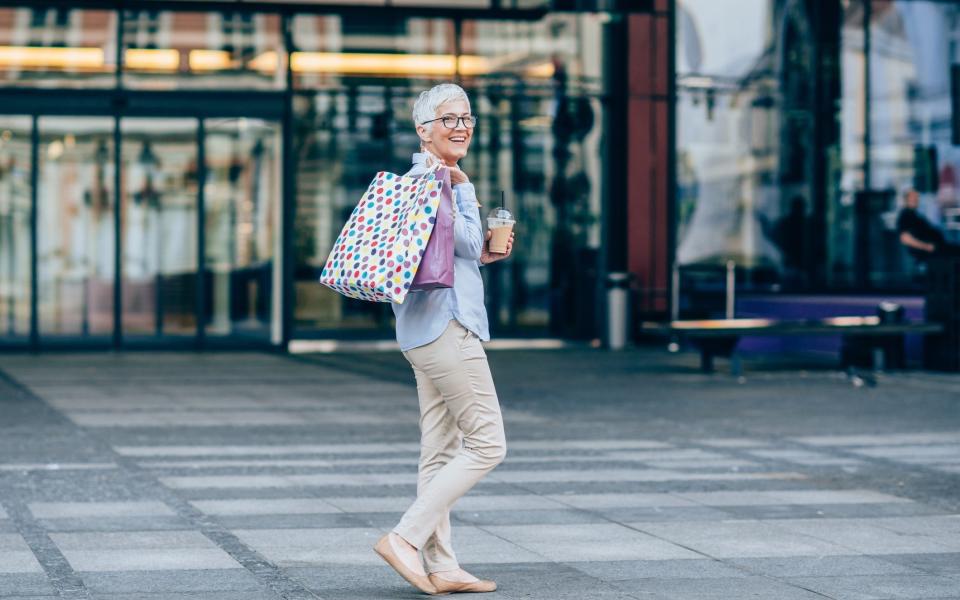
x=500 y=223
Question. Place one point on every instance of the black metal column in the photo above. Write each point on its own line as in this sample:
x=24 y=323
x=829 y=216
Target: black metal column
x=34 y=234
x=289 y=199
x=201 y=283
x=613 y=223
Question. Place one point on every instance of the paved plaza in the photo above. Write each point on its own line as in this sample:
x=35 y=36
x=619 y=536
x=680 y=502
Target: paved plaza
x=629 y=475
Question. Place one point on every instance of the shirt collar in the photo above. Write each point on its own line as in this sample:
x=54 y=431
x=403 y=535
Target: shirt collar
x=420 y=159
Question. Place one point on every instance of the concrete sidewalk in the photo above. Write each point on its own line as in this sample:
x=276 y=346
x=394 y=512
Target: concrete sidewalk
x=249 y=476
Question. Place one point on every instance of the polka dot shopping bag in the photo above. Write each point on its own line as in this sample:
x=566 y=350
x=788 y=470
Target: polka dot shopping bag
x=379 y=249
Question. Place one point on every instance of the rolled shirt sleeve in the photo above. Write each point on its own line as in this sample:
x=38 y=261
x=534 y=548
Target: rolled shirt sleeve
x=467 y=230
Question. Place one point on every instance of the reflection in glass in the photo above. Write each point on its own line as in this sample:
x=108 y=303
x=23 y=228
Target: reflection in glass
x=14 y=227
x=200 y=50
x=159 y=199
x=913 y=45
x=538 y=139
x=242 y=199
x=75 y=226
x=57 y=47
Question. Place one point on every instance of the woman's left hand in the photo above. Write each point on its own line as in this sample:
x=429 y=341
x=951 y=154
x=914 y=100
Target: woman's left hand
x=487 y=257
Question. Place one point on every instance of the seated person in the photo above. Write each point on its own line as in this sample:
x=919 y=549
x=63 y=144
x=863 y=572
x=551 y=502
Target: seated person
x=921 y=238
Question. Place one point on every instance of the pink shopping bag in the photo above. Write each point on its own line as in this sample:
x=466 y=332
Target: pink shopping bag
x=436 y=266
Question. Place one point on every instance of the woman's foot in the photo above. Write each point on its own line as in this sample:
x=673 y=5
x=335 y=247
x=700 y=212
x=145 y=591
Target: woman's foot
x=403 y=557
x=459 y=580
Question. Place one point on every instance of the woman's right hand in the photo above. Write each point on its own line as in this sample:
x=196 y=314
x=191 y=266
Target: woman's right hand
x=457 y=176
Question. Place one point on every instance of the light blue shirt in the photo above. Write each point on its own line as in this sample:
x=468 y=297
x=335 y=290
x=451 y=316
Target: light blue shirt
x=424 y=315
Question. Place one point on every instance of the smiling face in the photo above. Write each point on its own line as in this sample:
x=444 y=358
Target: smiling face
x=449 y=145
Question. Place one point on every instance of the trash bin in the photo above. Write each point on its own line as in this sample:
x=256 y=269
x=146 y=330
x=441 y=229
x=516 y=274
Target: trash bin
x=892 y=348
x=618 y=309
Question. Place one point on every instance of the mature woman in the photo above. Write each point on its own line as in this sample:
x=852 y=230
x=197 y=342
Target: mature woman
x=439 y=331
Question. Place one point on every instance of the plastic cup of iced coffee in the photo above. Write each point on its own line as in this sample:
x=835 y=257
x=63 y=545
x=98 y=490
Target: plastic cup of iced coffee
x=500 y=222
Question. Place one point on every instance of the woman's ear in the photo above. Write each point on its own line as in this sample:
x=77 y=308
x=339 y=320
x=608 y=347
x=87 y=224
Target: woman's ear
x=424 y=136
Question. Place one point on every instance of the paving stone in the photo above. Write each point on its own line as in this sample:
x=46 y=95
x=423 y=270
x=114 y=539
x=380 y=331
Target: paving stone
x=822 y=566
x=597 y=501
x=761 y=497
x=733 y=442
x=176 y=581
x=919 y=535
x=208 y=595
x=293 y=547
x=655 y=514
x=55 y=510
x=16 y=556
x=741 y=539
x=526 y=517
x=259 y=506
x=805 y=457
x=24 y=584
x=305 y=521
x=930 y=437
x=947 y=564
x=876 y=587
x=565 y=543
x=657 y=569
x=717 y=589
x=342 y=582
x=141 y=551
x=263 y=450
x=115 y=524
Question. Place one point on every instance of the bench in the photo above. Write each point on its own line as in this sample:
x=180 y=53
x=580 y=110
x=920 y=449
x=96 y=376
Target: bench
x=719 y=337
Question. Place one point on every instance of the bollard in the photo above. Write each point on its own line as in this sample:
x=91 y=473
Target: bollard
x=618 y=313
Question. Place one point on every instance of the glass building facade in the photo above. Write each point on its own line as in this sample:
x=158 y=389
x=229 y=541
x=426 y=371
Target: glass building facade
x=173 y=174
x=799 y=129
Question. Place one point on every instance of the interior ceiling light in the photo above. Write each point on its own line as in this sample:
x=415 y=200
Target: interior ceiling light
x=210 y=60
x=41 y=57
x=151 y=60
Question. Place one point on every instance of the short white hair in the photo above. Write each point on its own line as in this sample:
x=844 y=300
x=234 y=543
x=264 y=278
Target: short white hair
x=425 y=108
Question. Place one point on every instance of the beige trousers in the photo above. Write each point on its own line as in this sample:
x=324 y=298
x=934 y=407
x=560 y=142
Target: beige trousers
x=461 y=438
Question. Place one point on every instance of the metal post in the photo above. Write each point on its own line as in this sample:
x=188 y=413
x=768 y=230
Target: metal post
x=675 y=293
x=731 y=288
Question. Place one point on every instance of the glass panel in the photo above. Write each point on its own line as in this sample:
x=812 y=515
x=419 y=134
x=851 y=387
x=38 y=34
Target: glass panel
x=15 y=205
x=75 y=226
x=538 y=139
x=840 y=212
x=331 y=48
x=746 y=146
x=159 y=199
x=913 y=45
x=242 y=204
x=57 y=47
x=202 y=50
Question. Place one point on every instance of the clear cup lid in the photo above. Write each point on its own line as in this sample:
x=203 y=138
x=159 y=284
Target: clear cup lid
x=500 y=213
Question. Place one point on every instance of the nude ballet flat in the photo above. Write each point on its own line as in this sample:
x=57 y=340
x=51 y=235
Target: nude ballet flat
x=455 y=587
x=386 y=552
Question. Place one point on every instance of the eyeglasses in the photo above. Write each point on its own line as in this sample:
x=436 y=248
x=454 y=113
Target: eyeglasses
x=451 y=122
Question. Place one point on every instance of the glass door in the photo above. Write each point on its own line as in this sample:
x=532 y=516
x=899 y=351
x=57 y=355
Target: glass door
x=15 y=206
x=242 y=228
x=75 y=229
x=159 y=228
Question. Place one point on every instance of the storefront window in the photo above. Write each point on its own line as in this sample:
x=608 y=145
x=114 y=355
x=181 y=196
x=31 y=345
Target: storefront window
x=166 y=50
x=57 y=47
x=531 y=85
x=913 y=46
x=729 y=128
x=15 y=208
